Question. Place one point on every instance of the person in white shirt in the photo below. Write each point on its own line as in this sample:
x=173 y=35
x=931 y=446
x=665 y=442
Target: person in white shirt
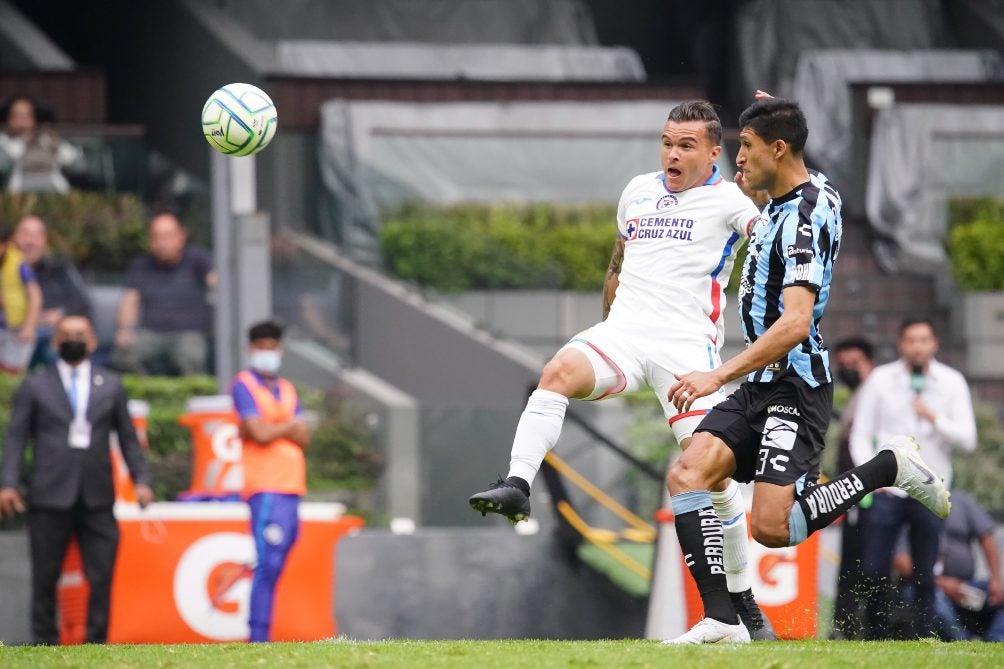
x=33 y=154
x=678 y=232
x=915 y=395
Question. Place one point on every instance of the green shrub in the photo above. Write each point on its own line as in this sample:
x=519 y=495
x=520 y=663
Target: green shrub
x=341 y=454
x=975 y=243
x=979 y=472
x=475 y=246
x=98 y=232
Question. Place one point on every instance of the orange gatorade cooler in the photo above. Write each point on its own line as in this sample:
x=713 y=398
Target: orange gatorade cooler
x=217 y=471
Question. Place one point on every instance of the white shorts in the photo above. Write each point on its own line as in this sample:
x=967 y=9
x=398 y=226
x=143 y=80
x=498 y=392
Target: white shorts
x=14 y=353
x=625 y=360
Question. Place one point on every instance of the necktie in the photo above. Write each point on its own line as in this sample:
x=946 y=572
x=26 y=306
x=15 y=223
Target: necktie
x=71 y=392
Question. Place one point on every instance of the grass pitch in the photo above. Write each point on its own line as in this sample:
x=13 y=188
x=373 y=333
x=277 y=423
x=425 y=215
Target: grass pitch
x=528 y=654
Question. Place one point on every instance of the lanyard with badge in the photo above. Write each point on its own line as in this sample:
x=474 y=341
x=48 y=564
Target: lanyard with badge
x=80 y=427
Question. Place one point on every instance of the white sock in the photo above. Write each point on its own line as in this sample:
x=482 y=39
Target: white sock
x=731 y=510
x=537 y=432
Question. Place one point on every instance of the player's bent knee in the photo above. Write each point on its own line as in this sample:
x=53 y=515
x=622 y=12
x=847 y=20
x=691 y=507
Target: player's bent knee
x=684 y=477
x=769 y=534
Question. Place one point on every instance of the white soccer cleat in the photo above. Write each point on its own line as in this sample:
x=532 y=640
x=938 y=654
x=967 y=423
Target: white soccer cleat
x=710 y=630
x=916 y=478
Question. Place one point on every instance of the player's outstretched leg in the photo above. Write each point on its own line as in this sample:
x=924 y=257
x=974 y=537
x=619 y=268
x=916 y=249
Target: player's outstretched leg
x=898 y=464
x=568 y=374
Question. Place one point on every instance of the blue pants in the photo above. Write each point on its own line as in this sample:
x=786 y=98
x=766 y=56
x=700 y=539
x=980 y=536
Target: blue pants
x=880 y=532
x=274 y=525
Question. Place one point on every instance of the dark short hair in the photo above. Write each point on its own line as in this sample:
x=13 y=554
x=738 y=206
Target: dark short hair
x=699 y=110
x=775 y=119
x=265 y=330
x=856 y=344
x=910 y=322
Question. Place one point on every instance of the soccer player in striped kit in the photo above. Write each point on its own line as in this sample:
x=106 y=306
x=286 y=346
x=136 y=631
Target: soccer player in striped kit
x=771 y=429
x=678 y=231
x=274 y=436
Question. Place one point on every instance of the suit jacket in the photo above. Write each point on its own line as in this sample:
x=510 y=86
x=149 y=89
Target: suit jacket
x=61 y=475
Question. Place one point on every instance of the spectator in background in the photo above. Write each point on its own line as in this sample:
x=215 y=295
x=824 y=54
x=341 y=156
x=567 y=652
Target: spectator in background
x=20 y=307
x=32 y=154
x=164 y=314
x=67 y=412
x=63 y=289
x=920 y=396
x=274 y=436
x=855 y=361
x=966 y=606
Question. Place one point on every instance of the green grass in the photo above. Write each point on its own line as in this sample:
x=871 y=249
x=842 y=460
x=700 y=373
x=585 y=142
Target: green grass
x=528 y=654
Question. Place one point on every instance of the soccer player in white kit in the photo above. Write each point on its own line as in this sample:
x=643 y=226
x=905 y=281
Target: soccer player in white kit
x=678 y=233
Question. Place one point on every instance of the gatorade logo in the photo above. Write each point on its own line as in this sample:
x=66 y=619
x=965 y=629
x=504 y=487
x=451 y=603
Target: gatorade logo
x=212 y=585
x=775 y=576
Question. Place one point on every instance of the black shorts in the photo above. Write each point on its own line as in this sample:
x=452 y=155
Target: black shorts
x=776 y=430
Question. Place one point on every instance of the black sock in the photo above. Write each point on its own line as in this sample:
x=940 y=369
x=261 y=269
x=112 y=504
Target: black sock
x=703 y=542
x=822 y=504
x=519 y=483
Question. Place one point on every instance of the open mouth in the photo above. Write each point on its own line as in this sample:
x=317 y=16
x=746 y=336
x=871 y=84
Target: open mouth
x=673 y=173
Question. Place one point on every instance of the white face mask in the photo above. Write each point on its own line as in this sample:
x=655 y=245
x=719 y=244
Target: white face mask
x=265 y=361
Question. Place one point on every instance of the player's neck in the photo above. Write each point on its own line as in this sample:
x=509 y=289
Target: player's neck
x=790 y=175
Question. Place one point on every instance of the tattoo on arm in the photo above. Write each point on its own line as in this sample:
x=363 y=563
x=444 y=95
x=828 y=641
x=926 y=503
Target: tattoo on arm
x=613 y=276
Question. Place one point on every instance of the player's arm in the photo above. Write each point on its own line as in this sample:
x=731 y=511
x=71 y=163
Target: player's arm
x=791 y=328
x=612 y=279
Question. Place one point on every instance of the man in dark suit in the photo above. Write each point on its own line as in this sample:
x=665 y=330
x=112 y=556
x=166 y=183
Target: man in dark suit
x=68 y=411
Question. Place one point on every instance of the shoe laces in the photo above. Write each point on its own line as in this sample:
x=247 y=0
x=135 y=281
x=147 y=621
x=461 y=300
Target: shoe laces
x=749 y=606
x=502 y=483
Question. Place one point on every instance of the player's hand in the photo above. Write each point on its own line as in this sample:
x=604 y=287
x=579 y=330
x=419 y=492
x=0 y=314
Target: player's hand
x=11 y=503
x=690 y=386
x=923 y=410
x=144 y=495
x=26 y=335
x=762 y=95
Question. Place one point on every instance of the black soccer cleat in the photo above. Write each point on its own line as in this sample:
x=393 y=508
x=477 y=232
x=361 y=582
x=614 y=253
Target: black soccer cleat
x=752 y=617
x=503 y=498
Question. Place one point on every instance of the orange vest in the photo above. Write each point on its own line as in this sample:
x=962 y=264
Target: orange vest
x=278 y=466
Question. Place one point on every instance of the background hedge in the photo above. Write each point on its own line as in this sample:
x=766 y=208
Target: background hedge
x=976 y=243
x=476 y=246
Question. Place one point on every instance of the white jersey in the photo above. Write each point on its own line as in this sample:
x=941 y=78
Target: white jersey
x=678 y=255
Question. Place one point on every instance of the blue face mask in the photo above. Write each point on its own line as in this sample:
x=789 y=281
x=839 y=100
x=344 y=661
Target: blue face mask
x=265 y=361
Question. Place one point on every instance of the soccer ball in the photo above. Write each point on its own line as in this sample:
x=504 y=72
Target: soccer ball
x=239 y=119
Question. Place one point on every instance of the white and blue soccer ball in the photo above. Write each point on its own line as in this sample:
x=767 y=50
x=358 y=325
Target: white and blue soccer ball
x=239 y=119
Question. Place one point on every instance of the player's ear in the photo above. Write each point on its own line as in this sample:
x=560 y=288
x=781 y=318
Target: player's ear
x=780 y=148
x=715 y=152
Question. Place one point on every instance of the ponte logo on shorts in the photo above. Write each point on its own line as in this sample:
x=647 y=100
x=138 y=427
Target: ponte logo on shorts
x=667 y=201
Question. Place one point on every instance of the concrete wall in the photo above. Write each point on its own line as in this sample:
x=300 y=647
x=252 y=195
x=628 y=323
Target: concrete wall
x=475 y=584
